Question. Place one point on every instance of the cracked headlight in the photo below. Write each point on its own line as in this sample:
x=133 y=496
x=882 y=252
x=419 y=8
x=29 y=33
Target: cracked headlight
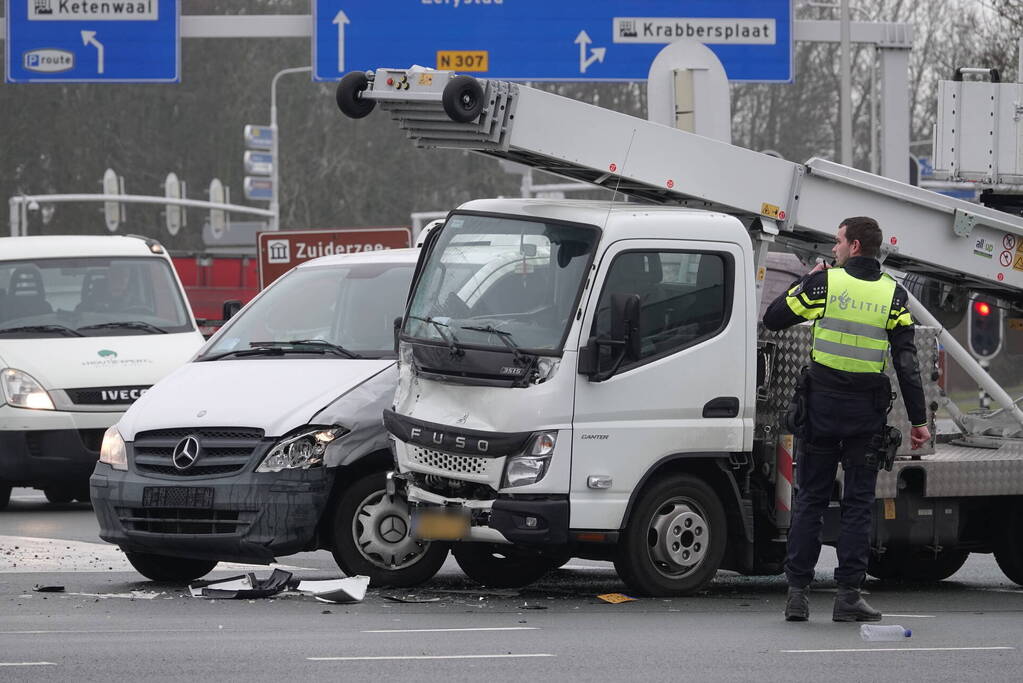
x=300 y=451
x=529 y=468
x=21 y=390
x=112 y=451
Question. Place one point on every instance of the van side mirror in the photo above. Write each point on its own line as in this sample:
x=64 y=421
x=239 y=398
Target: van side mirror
x=397 y=332
x=230 y=308
x=624 y=340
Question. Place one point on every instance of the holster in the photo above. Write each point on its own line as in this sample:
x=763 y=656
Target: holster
x=882 y=448
x=797 y=418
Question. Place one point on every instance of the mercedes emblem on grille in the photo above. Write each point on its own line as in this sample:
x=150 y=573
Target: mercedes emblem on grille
x=186 y=453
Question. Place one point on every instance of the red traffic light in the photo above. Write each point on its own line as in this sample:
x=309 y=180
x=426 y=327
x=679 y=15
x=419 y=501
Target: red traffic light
x=982 y=308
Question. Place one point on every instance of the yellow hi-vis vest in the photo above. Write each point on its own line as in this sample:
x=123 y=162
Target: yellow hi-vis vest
x=852 y=334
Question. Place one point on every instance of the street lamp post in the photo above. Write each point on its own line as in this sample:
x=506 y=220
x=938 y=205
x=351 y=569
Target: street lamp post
x=275 y=173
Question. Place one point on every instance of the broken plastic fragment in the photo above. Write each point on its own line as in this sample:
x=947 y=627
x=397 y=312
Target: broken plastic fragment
x=241 y=587
x=351 y=589
x=48 y=589
x=616 y=598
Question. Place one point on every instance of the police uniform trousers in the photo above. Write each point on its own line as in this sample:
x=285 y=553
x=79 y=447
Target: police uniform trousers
x=840 y=427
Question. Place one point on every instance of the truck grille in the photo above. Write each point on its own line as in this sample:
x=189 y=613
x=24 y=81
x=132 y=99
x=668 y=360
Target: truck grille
x=183 y=520
x=122 y=396
x=448 y=462
x=223 y=450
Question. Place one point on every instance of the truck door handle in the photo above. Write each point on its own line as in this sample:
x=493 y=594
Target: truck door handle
x=722 y=406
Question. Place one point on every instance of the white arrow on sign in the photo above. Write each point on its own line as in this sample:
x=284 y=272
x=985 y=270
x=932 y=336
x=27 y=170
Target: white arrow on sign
x=583 y=40
x=341 y=19
x=89 y=38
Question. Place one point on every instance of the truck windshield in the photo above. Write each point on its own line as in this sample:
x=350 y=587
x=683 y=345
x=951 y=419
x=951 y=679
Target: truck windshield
x=336 y=311
x=90 y=297
x=501 y=282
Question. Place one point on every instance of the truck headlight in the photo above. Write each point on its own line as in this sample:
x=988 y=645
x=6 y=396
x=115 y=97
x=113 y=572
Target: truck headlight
x=112 y=452
x=530 y=467
x=302 y=450
x=21 y=390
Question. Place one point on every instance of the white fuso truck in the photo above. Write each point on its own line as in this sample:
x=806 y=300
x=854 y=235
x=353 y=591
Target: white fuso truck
x=599 y=386
x=87 y=325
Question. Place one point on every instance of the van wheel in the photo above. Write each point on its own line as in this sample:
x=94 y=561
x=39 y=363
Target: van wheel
x=501 y=566
x=167 y=569
x=675 y=538
x=371 y=537
x=1009 y=547
x=56 y=494
x=5 y=495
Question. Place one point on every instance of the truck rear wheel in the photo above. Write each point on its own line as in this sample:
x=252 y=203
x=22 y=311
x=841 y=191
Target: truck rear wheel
x=371 y=537
x=675 y=539
x=501 y=566
x=164 y=568
x=1009 y=547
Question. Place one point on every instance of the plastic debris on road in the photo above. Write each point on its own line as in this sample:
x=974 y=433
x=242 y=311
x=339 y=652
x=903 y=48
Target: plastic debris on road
x=350 y=589
x=242 y=587
x=48 y=589
x=616 y=598
x=408 y=598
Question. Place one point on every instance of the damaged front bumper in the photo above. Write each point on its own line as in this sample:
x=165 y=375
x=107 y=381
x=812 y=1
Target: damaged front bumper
x=246 y=517
x=537 y=519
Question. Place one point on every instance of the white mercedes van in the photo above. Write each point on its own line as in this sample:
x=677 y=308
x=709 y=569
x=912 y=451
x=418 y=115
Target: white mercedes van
x=271 y=441
x=87 y=325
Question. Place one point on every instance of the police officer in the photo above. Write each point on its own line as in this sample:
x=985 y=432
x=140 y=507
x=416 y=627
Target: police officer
x=858 y=313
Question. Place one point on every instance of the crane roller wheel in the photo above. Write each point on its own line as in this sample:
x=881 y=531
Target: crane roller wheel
x=463 y=99
x=348 y=96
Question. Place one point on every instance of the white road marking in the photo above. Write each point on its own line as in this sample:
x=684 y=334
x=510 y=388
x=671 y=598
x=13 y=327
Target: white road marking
x=108 y=631
x=397 y=657
x=903 y=649
x=911 y=616
x=453 y=630
x=27 y=554
x=28 y=663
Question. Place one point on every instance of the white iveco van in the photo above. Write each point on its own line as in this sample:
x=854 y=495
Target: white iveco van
x=87 y=325
x=271 y=441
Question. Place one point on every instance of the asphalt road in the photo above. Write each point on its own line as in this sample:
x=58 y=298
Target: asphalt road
x=110 y=624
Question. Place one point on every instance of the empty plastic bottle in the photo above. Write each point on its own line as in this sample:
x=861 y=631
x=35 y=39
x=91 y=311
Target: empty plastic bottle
x=884 y=632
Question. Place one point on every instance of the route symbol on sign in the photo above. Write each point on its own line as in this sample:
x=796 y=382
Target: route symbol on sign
x=583 y=40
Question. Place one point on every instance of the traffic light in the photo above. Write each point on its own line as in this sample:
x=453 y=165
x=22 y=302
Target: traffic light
x=985 y=327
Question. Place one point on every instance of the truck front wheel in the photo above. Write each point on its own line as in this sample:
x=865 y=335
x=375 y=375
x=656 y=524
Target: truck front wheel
x=168 y=569
x=675 y=538
x=371 y=537
x=501 y=566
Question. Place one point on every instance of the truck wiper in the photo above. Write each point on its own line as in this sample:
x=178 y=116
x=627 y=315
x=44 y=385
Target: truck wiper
x=449 y=337
x=309 y=342
x=128 y=324
x=66 y=331
x=504 y=336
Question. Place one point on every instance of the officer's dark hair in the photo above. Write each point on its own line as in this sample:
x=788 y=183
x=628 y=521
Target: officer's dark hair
x=867 y=231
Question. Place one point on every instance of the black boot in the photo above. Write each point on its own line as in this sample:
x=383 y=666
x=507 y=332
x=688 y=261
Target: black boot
x=850 y=606
x=797 y=606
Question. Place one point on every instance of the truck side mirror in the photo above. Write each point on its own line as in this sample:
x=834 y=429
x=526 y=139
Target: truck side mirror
x=625 y=323
x=624 y=340
x=230 y=308
x=397 y=332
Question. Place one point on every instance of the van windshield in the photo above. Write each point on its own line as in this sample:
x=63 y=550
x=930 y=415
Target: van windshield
x=348 y=306
x=501 y=282
x=90 y=297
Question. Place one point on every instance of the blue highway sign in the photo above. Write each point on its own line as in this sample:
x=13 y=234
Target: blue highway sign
x=560 y=40
x=135 y=41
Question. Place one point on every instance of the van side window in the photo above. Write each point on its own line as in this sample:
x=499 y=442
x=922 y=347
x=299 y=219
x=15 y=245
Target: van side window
x=683 y=297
